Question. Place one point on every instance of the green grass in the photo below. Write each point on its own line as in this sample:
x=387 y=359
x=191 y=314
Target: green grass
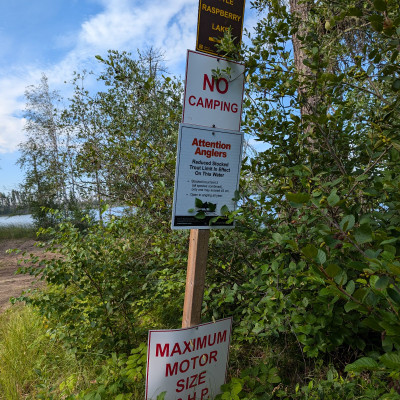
x=32 y=365
x=17 y=232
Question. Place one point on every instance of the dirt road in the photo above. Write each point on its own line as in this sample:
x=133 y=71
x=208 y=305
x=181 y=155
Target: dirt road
x=11 y=285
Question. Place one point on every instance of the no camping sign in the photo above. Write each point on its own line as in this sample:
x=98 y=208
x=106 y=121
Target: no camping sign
x=211 y=101
x=188 y=364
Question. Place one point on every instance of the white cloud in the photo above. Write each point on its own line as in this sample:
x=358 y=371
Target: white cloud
x=168 y=26
x=11 y=124
x=122 y=25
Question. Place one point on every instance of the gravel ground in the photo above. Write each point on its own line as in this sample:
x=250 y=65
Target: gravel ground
x=12 y=285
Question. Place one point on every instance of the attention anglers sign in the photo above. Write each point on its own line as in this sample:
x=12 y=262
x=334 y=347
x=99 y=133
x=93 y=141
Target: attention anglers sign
x=206 y=177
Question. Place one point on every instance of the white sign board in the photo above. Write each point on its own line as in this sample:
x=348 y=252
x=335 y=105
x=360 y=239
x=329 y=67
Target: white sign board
x=209 y=101
x=206 y=176
x=188 y=364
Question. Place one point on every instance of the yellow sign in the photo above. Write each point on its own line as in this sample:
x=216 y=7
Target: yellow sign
x=215 y=17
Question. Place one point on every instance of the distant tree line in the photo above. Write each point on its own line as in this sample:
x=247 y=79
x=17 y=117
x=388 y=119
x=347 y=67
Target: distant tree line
x=112 y=145
x=13 y=202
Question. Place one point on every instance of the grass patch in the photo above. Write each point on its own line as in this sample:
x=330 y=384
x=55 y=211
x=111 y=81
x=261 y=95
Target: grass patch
x=32 y=365
x=17 y=232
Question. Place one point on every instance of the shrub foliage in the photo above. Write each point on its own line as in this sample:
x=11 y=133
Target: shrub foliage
x=312 y=268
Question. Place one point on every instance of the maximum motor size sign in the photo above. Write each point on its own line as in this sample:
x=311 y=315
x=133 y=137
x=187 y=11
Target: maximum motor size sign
x=188 y=364
x=206 y=177
x=211 y=99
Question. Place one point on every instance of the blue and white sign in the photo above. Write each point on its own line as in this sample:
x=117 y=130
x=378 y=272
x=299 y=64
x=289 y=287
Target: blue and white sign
x=206 y=177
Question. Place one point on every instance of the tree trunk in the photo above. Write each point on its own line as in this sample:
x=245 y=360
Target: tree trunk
x=308 y=102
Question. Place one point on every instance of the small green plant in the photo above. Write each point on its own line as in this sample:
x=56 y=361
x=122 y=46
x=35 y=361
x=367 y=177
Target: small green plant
x=121 y=377
x=257 y=382
x=203 y=209
x=229 y=46
x=31 y=363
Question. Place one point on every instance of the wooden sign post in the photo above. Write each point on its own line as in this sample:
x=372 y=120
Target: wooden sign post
x=195 y=277
x=214 y=19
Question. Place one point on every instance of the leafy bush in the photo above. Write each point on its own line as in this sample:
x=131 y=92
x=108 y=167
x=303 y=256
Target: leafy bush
x=99 y=281
x=121 y=378
x=313 y=262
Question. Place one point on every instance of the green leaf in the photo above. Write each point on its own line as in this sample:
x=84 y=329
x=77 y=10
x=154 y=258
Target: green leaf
x=277 y=237
x=316 y=193
x=351 y=305
x=321 y=257
x=341 y=278
x=333 y=198
x=298 y=198
x=355 y=12
x=377 y=25
x=212 y=207
x=363 y=234
x=389 y=241
x=224 y=210
x=200 y=215
x=310 y=251
x=391 y=329
x=362 y=178
x=333 y=183
x=198 y=203
x=382 y=282
x=350 y=287
x=236 y=386
x=372 y=323
x=396 y=85
x=380 y=5
x=363 y=364
x=273 y=376
x=387 y=344
x=394 y=295
x=391 y=360
x=347 y=222
x=396 y=145
x=332 y=270
x=360 y=293
x=394 y=269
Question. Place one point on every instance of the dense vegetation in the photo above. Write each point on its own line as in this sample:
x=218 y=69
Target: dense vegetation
x=311 y=272
x=115 y=145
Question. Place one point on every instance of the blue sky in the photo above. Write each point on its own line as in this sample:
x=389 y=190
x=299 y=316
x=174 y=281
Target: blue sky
x=58 y=37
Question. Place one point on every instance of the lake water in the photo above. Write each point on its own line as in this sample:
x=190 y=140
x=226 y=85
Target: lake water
x=16 y=220
x=27 y=219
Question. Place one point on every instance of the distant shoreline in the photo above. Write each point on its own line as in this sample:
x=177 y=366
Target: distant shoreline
x=13 y=214
x=15 y=219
